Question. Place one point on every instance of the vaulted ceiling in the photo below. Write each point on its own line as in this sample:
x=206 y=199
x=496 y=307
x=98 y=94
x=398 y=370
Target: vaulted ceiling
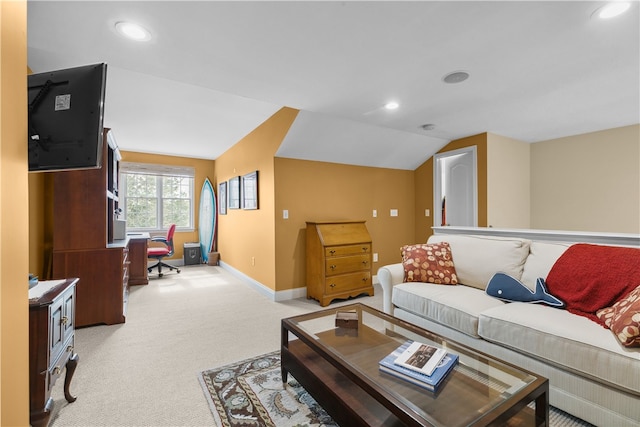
x=213 y=71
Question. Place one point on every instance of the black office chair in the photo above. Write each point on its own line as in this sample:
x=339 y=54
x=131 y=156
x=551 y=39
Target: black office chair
x=161 y=252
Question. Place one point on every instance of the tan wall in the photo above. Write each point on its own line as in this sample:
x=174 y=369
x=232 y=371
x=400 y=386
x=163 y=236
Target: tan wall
x=423 y=196
x=14 y=217
x=37 y=206
x=508 y=182
x=246 y=238
x=203 y=169
x=424 y=185
x=319 y=191
x=41 y=224
x=587 y=182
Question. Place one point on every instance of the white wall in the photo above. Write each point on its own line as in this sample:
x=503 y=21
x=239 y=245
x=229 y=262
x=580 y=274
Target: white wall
x=508 y=182
x=587 y=182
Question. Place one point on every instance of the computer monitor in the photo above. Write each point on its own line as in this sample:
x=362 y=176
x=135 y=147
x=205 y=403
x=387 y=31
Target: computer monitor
x=66 y=109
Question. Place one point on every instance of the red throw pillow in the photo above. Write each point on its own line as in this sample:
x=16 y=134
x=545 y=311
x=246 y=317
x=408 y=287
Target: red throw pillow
x=590 y=277
x=429 y=263
x=623 y=318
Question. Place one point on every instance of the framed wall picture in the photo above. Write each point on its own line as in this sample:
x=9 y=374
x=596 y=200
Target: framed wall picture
x=234 y=193
x=222 y=198
x=250 y=190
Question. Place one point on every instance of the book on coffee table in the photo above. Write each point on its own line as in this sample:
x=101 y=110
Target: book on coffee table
x=429 y=382
x=419 y=357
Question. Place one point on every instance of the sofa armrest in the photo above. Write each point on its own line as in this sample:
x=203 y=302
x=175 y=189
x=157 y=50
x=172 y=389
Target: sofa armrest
x=388 y=276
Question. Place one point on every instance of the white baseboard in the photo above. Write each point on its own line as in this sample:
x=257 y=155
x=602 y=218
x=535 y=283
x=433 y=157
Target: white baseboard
x=290 y=294
x=267 y=291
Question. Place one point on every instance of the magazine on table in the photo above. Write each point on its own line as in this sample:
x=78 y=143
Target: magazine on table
x=429 y=382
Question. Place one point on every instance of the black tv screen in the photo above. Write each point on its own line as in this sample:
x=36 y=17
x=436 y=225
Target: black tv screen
x=66 y=109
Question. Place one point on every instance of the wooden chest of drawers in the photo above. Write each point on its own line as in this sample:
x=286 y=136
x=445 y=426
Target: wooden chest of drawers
x=51 y=346
x=338 y=260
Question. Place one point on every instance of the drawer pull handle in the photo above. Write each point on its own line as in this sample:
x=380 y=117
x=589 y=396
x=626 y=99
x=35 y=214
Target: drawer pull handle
x=364 y=279
x=333 y=267
x=364 y=249
x=64 y=320
x=333 y=285
x=365 y=262
x=57 y=370
x=332 y=252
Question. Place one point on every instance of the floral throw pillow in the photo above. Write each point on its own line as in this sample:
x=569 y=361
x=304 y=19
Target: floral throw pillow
x=429 y=263
x=623 y=318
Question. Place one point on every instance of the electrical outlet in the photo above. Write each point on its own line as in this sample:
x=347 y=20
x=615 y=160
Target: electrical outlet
x=375 y=257
x=394 y=212
x=427 y=212
x=253 y=261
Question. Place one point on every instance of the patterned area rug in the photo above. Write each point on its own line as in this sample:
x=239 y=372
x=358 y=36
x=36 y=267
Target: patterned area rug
x=251 y=393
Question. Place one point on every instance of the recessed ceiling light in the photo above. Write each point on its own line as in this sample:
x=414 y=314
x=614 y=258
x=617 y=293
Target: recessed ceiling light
x=612 y=9
x=391 y=105
x=456 y=77
x=133 y=31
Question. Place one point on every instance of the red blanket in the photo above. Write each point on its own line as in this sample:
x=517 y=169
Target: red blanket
x=590 y=277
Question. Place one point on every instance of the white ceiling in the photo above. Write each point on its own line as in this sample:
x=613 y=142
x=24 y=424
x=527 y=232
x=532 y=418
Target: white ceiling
x=215 y=70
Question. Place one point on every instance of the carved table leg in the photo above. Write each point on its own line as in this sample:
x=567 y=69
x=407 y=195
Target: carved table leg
x=71 y=368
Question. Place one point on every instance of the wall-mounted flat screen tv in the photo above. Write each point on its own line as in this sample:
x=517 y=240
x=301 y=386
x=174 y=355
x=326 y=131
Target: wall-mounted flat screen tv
x=66 y=109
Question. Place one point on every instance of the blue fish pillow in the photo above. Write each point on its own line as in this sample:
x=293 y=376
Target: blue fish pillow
x=508 y=288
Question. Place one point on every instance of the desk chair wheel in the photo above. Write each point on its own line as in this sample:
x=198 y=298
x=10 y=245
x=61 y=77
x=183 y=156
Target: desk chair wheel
x=177 y=271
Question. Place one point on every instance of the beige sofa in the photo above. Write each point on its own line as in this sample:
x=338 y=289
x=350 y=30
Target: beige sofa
x=590 y=374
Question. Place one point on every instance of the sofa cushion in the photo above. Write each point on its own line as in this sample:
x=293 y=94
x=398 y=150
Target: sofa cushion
x=623 y=318
x=455 y=306
x=590 y=277
x=542 y=256
x=562 y=339
x=478 y=258
x=430 y=263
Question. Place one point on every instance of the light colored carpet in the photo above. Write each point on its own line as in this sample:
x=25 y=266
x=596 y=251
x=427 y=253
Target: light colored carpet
x=144 y=372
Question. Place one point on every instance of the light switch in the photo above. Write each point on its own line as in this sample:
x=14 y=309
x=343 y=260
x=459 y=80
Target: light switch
x=285 y=214
x=375 y=213
x=427 y=212
x=375 y=257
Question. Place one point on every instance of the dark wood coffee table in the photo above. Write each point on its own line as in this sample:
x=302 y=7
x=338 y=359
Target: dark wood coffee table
x=339 y=368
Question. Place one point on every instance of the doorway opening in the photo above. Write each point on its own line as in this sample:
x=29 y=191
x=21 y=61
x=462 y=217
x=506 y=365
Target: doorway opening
x=455 y=189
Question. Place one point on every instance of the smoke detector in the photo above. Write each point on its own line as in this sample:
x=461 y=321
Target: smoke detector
x=456 y=77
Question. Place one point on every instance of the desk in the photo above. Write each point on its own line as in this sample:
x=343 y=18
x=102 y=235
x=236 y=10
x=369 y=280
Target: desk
x=138 y=273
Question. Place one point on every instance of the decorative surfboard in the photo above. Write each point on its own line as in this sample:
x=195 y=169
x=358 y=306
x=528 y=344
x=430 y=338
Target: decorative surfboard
x=207 y=226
